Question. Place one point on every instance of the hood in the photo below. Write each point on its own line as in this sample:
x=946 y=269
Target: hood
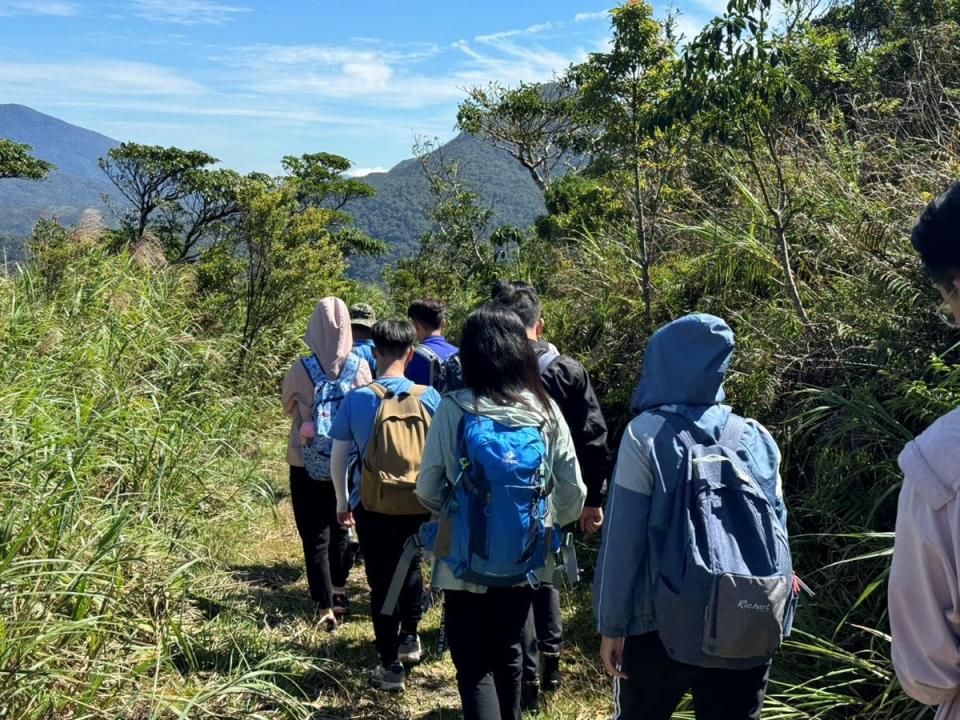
x=329 y=336
x=509 y=415
x=931 y=463
x=685 y=364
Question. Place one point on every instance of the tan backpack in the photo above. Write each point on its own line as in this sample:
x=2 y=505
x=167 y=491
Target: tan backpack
x=392 y=460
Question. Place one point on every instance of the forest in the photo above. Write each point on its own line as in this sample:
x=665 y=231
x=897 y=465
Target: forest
x=767 y=170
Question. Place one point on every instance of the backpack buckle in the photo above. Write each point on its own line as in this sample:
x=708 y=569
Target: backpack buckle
x=534 y=580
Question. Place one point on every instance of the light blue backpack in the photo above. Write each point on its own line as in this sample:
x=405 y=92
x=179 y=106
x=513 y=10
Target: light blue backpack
x=725 y=597
x=492 y=530
x=328 y=394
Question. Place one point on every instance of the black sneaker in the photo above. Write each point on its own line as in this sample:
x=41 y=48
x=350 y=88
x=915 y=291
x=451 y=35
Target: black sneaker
x=341 y=604
x=530 y=697
x=550 y=674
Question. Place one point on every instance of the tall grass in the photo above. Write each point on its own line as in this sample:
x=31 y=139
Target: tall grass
x=129 y=453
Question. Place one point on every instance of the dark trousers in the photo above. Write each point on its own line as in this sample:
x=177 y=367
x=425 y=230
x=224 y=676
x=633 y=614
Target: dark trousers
x=484 y=633
x=324 y=539
x=381 y=541
x=543 y=632
x=657 y=683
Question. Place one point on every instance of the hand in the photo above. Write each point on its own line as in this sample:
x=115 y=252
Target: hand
x=611 y=652
x=591 y=520
x=345 y=518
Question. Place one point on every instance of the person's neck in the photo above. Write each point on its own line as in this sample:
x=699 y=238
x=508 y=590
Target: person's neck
x=393 y=370
x=532 y=334
x=436 y=333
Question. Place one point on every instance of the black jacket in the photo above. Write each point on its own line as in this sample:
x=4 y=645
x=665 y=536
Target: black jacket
x=568 y=383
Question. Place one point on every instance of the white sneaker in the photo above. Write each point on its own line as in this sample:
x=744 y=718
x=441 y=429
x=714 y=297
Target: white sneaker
x=390 y=679
x=411 y=651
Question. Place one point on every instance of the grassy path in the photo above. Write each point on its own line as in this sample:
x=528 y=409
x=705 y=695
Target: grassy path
x=270 y=592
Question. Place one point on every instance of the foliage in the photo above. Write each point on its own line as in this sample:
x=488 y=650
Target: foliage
x=17 y=162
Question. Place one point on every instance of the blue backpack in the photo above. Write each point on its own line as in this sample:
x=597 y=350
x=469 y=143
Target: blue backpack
x=492 y=530
x=725 y=596
x=328 y=394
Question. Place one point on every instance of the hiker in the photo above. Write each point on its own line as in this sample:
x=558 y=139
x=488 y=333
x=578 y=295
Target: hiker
x=312 y=391
x=694 y=587
x=568 y=383
x=362 y=318
x=501 y=470
x=432 y=350
x=924 y=587
x=387 y=423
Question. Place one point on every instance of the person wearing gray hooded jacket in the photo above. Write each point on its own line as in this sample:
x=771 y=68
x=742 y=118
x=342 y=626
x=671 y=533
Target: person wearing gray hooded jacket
x=681 y=387
x=484 y=624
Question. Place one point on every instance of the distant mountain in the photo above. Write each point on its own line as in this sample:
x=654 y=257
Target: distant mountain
x=77 y=183
x=396 y=214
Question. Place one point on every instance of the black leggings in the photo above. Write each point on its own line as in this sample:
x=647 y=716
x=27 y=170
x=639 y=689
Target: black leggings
x=484 y=633
x=324 y=539
x=543 y=631
x=657 y=683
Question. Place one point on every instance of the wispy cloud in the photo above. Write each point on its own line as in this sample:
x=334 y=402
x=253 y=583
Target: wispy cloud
x=38 y=7
x=364 y=171
x=186 y=12
x=532 y=30
x=591 y=16
x=115 y=78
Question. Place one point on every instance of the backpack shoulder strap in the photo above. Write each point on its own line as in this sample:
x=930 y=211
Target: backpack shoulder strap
x=680 y=427
x=424 y=351
x=379 y=390
x=732 y=432
x=546 y=359
x=417 y=391
x=311 y=365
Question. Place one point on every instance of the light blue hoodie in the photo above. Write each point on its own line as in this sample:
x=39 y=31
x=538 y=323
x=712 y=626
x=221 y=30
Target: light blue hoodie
x=683 y=373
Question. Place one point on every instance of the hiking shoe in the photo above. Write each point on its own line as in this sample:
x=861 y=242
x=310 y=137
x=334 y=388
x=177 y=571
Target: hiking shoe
x=341 y=604
x=410 y=649
x=390 y=679
x=530 y=697
x=550 y=671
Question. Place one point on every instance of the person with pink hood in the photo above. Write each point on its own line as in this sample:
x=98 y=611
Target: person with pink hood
x=312 y=392
x=924 y=593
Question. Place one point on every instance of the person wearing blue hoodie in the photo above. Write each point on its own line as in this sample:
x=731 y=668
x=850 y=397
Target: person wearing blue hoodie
x=681 y=388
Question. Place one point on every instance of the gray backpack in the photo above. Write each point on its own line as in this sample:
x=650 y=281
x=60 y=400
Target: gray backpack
x=725 y=597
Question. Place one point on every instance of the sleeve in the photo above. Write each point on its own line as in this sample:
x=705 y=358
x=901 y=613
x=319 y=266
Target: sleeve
x=764 y=457
x=623 y=552
x=568 y=492
x=431 y=400
x=288 y=390
x=339 y=470
x=433 y=482
x=578 y=402
x=923 y=600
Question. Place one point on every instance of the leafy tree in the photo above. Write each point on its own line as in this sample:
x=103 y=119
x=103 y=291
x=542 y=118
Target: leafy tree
x=756 y=89
x=17 y=162
x=531 y=122
x=620 y=93
x=152 y=178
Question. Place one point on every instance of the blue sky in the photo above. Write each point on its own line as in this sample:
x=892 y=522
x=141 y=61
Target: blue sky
x=252 y=80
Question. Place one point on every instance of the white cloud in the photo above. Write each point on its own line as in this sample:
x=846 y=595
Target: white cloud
x=186 y=12
x=364 y=171
x=591 y=16
x=532 y=30
x=38 y=7
x=96 y=78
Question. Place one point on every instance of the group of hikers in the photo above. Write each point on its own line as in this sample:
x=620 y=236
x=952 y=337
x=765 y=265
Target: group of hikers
x=485 y=457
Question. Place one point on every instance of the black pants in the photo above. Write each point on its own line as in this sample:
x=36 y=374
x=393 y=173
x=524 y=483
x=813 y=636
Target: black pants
x=543 y=632
x=324 y=540
x=657 y=683
x=381 y=541
x=484 y=632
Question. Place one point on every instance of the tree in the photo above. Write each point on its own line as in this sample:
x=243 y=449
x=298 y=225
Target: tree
x=151 y=177
x=755 y=89
x=619 y=95
x=16 y=161
x=531 y=122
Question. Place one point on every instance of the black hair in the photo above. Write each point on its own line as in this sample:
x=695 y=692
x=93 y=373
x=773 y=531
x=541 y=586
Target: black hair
x=393 y=338
x=520 y=298
x=498 y=360
x=427 y=312
x=505 y=285
x=936 y=237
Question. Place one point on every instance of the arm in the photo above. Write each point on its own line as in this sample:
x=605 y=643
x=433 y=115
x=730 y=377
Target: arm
x=568 y=492
x=623 y=554
x=290 y=390
x=433 y=482
x=923 y=599
x=340 y=469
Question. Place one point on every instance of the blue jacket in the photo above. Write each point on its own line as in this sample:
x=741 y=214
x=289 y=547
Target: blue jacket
x=683 y=373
